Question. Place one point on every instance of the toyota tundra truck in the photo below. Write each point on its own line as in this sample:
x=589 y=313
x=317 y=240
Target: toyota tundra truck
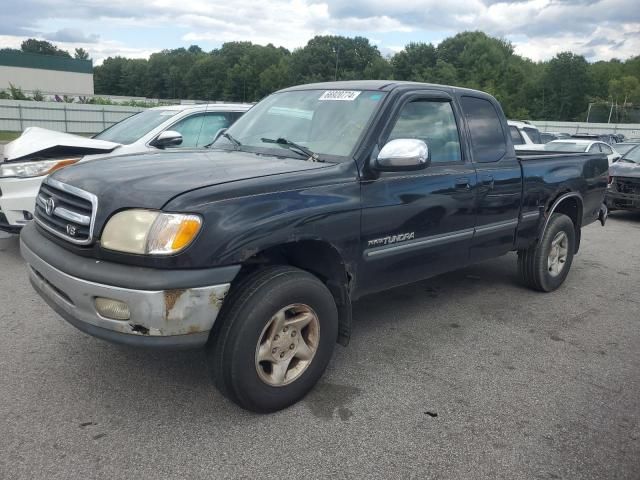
x=256 y=248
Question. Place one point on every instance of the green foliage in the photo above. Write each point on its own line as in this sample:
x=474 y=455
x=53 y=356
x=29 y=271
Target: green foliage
x=42 y=47
x=16 y=93
x=566 y=80
x=81 y=54
x=560 y=88
x=4 y=95
x=37 y=96
x=416 y=62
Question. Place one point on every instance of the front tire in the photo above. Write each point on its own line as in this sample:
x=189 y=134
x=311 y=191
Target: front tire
x=274 y=339
x=545 y=265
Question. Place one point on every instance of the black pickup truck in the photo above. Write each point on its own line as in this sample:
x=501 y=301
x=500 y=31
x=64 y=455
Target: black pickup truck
x=320 y=194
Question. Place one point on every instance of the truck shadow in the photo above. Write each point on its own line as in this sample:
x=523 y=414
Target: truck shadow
x=627 y=216
x=179 y=382
x=9 y=246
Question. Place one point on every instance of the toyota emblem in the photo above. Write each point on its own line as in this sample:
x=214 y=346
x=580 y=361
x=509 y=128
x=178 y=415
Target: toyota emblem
x=50 y=206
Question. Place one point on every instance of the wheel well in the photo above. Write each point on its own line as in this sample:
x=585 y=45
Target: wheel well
x=322 y=260
x=572 y=208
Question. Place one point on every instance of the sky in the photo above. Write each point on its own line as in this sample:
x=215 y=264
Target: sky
x=538 y=29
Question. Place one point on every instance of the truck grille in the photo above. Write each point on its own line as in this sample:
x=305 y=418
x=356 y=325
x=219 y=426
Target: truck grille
x=66 y=211
x=628 y=185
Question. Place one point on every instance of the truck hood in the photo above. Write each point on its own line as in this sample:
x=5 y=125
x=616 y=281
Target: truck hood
x=37 y=143
x=150 y=180
x=624 y=169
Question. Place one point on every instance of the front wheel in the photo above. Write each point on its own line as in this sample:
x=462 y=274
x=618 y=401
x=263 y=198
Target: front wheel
x=545 y=266
x=275 y=338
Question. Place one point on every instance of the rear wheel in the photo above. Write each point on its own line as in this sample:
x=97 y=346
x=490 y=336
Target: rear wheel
x=274 y=338
x=545 y=266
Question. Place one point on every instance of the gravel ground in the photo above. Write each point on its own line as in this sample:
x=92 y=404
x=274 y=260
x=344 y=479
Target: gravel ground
x=467 y=375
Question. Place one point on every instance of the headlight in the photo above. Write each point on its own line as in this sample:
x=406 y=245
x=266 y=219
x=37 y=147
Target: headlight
x=34 y=169
x=149 y=232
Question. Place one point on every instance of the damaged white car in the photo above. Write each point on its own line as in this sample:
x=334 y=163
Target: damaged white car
x=39 y=152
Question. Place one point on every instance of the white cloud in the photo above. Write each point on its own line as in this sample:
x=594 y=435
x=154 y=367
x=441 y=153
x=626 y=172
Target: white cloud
x=538 y=28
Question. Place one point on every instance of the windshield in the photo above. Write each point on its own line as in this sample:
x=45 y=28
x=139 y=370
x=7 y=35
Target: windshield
x=565 y=147
x=633 y=155
x=326 y=122
x=623 y=148
x=135 y=127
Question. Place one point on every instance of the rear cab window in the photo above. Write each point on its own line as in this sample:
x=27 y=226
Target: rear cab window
x=487 y=136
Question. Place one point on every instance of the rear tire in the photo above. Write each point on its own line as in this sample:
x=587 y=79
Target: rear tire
x=545 y=265
x=274 y=338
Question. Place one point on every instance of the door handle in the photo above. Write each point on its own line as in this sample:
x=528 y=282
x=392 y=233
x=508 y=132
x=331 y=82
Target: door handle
x=487 y=182
x=463 y=183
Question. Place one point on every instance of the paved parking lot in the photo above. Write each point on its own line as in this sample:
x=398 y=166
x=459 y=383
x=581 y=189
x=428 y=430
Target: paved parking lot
x=466 y=375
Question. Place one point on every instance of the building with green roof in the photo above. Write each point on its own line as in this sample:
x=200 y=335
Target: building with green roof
x=49 y=74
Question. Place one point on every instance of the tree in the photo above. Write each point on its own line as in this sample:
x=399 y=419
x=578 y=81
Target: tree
x=42 y=47
x=81 y=54
x=331 y=57
x=558 y=89
x=415 y=62
x=567 y=82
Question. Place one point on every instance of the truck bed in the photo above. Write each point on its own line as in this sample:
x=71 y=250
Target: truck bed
x=548 y=175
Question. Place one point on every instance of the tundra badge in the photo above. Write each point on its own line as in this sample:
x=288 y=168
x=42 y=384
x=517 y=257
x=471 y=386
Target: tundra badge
x=401 y=237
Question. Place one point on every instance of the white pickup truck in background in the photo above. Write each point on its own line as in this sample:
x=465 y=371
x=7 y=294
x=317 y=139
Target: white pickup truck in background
x=26 y=161
x=525 y=135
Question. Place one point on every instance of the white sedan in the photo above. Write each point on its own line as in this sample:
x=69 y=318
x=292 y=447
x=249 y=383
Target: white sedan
x=38 y=152
x=577 y=145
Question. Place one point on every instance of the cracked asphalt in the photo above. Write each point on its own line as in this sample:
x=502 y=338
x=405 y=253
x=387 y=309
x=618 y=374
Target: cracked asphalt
x=466 y=375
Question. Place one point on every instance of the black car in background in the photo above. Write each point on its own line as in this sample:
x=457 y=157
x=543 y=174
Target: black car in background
x=623 y=192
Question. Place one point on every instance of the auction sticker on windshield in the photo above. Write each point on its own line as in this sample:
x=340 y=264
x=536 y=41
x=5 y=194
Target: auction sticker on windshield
x=343 y=95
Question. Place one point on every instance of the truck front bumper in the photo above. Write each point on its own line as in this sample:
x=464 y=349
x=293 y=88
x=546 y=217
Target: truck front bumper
x=180 y=317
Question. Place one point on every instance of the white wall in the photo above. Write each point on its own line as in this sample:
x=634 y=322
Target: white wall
x=628 y=129
x=50 y=81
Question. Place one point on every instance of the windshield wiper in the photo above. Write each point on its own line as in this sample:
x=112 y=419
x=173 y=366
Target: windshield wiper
x=228 y=136
x=294 y=147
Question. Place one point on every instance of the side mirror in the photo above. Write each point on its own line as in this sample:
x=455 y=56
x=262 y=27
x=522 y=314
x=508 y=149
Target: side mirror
x=168 y=138
x=403 y=154
x=218 y=134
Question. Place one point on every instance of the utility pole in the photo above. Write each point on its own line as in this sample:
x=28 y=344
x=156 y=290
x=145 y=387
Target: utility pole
x=335 y=75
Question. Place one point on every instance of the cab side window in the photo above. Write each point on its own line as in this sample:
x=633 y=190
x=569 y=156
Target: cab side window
x=595 y=148
x=534 y=134
x=606 y=149
x=435 y=124
x=487 y=136
x=199 y=130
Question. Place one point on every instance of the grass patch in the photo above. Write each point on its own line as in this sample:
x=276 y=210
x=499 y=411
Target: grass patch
x=8 y=136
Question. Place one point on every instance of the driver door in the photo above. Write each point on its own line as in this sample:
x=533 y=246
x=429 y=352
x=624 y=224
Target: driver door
x=416 y=224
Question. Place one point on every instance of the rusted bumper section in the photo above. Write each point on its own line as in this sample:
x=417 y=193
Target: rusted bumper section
x=170 y=318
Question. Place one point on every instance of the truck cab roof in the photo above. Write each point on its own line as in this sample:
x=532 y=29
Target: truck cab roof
x=384 y=86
